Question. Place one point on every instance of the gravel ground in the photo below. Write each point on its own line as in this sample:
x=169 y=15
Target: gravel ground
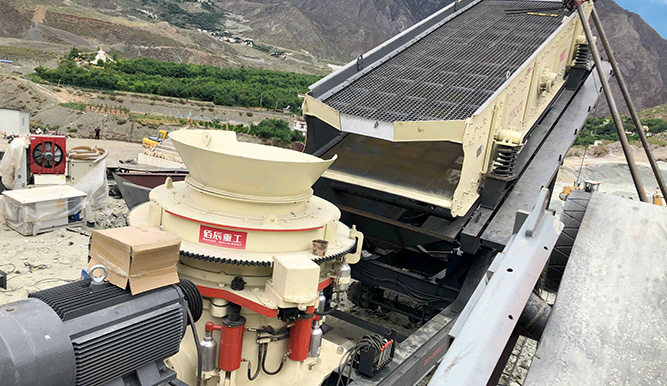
x=52 y=258
x=40 y=262
x=58 y=256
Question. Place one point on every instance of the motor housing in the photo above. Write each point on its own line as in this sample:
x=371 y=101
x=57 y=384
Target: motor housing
x=87 y=334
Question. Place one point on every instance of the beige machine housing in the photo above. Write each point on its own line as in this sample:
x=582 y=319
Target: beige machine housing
x=247 y=212
x=443 y=162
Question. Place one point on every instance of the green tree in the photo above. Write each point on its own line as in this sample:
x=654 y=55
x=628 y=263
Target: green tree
x=73 y=54
x=222 y=86
x=276 y=128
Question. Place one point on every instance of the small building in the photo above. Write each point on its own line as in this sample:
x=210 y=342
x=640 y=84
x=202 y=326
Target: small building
x=14 y=122
x=101 y=55
x=300 y=125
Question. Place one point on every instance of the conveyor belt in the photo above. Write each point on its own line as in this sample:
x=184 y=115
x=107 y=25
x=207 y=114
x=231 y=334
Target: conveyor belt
x=609 y=325
x=451 y=72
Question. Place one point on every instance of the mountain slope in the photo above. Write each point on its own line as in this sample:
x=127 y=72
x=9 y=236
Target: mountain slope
x=330 y=29
x=165 y=30
x=12 y=23
x=342 y=29
x=316 y=31
x=641 y=53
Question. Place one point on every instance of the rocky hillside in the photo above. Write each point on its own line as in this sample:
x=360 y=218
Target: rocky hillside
x=173 y=30
x=342 y=29
x=641 y=53
x=331 y=29
x=289 y=35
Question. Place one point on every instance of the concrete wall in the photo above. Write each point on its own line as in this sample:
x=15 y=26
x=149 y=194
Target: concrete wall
x=14 y=122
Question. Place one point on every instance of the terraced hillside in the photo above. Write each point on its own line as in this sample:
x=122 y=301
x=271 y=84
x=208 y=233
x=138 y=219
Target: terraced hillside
x=54 y=26
x=289 y=35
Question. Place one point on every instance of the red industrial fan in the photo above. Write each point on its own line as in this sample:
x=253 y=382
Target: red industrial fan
x=47 y=154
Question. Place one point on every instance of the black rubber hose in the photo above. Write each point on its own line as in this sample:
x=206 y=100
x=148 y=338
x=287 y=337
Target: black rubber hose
x=282 y=363
x=196 y=337
x=259 y=360
x=328 y=293
x=327 y=312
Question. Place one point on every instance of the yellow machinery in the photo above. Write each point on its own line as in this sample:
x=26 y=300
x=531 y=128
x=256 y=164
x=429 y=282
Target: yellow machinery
x=587 y=186
x=153 y=141
x=266 y=254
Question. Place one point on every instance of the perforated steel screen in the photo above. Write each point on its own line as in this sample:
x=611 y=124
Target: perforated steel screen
x=451 y=72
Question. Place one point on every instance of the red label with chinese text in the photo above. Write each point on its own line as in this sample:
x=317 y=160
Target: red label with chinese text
x=222 y=237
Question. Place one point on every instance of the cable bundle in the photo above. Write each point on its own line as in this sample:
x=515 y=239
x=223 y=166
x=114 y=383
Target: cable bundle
x=375 y=341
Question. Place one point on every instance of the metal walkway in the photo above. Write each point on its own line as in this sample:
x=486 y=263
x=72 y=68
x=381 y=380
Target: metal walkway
x=452 y=71
x=609 y=323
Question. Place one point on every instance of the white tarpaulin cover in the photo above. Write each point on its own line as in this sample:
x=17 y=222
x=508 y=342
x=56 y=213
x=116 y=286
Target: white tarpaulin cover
x=94 y=184
x=12 y=161
x=32 y=211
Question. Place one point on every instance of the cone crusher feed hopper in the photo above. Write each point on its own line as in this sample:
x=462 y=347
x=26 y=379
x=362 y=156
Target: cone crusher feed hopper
x=266 y=254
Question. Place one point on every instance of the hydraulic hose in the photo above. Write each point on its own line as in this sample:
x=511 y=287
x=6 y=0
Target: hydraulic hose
x=88 y=153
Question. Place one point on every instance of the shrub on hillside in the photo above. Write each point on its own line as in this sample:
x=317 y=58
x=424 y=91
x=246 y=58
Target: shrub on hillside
x=222 y=86
x=276 y=128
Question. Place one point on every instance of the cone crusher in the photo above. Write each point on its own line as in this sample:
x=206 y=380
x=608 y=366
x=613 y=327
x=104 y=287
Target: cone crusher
x=267 y=256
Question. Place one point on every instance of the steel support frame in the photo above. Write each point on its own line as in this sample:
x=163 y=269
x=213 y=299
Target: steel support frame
x=380 y=212
x=442 y=286
x=498 y=301
x=338 y=314
x=629 y=103
x=420 y=353
x=613 y=108
x=557 y=129
x=422 y=350
x=391 y=274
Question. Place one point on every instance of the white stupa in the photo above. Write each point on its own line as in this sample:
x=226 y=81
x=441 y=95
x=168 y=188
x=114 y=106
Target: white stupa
x=101 y=55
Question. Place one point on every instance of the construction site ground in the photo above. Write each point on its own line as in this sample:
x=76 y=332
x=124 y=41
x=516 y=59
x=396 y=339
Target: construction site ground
x=57 y=257
x=54 y=258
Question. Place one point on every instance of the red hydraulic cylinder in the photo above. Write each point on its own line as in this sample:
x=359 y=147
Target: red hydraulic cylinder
x=299 y=339
x=231 y=345
x=231 y=348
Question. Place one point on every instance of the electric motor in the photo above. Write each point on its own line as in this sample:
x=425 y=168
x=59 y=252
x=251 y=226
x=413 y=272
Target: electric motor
x=92 y=333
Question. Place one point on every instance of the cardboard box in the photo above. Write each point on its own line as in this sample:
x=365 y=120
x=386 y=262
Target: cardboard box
x=141 y=256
